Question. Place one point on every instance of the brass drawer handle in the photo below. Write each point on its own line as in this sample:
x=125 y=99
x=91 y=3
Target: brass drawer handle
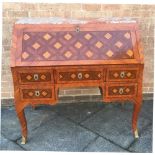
x=37 y=93
x=77 y=29
x=121 y=91
x=79 y=75
x=122 y=74
x=36 y=77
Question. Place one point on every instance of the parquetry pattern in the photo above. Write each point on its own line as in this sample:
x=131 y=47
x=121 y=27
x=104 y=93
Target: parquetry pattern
x=128 y=74
x=30 y=77
x=121 y=90
x=39 y=93
x=78 y=76
x=88 y=45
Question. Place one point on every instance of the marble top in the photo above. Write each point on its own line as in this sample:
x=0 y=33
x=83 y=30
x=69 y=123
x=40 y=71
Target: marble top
x=58 y=20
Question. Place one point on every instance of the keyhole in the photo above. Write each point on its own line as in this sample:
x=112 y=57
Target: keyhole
x=35 y=77
x=80 y=75
x=37 y=93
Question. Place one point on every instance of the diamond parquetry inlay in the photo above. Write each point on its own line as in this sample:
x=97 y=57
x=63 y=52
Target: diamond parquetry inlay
x=86 y=76
x=57 y=45
x=60 y=76
x=88 y=36
x=114 y=90
x=73 y=76
x=115 y=74
x=25 y=55
x=118 y=44
x=130 y=53
x=93 y=45
x=127 y=90
x=68 y=54
x=127 y=35
x=78 y=45
x=128 y=74
x=26 y=36
x=28 y=77
x=99 y=75
x=43 y=77
x=67 y=36
x=47 y=36
x=109 y=53
x=99 y=44
x=107 y=35
x=36 y=45
x=30 y=93
x=89 y=54
x=44 y=93
x=46 y=55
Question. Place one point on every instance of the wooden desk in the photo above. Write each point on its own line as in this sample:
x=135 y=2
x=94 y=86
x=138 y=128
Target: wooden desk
x=53 y=53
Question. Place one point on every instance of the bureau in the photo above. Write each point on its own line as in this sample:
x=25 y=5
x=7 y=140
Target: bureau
x=48 y=54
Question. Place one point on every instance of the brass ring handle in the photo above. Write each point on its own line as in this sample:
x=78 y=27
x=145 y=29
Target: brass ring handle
x=122 y=74
x=77 y=29
x=79 y=75
x=37 y=93
x=36 y=77
x=121 y=90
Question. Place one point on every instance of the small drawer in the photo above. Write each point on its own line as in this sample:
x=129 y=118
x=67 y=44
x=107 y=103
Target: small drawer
x=121 y=90
x=79 y=75
x=35 y=76
x=122 y=74
x=37 y=92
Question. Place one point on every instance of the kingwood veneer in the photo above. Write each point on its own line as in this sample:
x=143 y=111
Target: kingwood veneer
x=48 y=54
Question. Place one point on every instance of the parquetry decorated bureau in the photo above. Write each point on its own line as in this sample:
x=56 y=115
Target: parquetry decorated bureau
x=48 y=54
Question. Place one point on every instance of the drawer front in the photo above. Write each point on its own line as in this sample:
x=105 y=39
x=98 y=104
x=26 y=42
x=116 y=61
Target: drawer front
x=121 y=90
x=122 y=74
x=79 y=76
x=37 y=92
x=35 y=76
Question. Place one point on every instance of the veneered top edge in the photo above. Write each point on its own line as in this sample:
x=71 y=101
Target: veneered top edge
x=58 y=20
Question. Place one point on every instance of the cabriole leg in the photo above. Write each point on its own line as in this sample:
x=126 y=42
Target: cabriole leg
x=136 y=110
x=23 y=123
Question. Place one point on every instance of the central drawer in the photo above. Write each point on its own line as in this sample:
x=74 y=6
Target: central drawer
x=79 y=75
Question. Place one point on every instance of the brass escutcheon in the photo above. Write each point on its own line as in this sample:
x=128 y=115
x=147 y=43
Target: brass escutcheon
x=121 y=90
x=122 y=74
x=36 y=77
x=37 y=93
x=79 y=75
x=77 y=29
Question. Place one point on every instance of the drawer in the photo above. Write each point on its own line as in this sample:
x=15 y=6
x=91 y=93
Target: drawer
x=121 y=90
x=40 y=92
x=122 y=74
x=79 y=75
x=34 y=76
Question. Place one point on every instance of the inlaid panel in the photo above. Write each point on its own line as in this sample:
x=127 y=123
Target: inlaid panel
x=122 y=74
x=77 y=76
x=37 y=93
x=115 y=90
x=72 y=45
x=35 y=77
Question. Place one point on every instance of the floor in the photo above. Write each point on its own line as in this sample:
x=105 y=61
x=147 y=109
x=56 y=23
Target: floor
x=79 y=127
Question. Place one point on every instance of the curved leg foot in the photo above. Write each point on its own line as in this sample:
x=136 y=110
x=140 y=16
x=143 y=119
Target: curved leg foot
x=136 y=134
x=24 y=139
x=23 y=123
x=137 y=107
